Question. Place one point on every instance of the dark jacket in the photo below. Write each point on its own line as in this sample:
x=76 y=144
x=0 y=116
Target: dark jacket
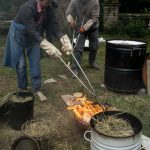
x=26 y=31
x=29 y=16
x=85 y=10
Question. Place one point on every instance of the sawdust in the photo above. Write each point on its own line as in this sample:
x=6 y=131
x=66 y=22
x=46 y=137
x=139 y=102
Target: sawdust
x=7 y=136
x=36 y=129
x=114 y=126
x=17 y=98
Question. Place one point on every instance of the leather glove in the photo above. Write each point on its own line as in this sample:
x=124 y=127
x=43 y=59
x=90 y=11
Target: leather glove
x=66 y=45
x=73 y=25
x=71 y=21
x=82 y=30
x=50 y=49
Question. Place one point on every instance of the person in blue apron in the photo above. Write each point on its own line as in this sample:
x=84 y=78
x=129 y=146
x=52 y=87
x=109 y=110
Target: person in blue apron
x=83 y=16
x=25 y=39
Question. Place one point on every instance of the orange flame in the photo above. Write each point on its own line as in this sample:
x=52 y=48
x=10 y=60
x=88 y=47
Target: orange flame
x=86 y=110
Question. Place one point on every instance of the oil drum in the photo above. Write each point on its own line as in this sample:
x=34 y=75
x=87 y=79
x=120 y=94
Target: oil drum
x=124 y=60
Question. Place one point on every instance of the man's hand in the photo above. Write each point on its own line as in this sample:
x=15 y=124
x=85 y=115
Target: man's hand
x=66 y=45
x=71 y=21
x=50 y=49
x=82 y=30
x=73 y=25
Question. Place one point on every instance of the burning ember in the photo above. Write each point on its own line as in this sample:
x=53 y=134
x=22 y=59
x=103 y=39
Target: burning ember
x=86 y=109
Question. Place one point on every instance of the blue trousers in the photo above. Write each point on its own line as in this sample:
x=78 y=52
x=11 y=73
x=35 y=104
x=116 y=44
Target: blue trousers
x=93 y=47
x=19 y=45
x=33 y=56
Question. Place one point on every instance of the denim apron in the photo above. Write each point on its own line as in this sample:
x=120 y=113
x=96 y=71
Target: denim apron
x=18 y=41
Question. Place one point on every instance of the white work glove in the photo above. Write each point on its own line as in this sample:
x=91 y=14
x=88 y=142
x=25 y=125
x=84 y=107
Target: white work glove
x=66 y=45
x=71 y=21
x=50 y=49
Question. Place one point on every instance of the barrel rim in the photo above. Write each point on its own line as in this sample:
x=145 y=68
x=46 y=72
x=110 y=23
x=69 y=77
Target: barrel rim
x=133 y=40
x=22 y=94
x=14 y=144
x=127 y=46
x=99 y=114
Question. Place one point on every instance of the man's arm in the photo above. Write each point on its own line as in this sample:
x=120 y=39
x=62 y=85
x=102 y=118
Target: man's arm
x=64 y=39
x=94 y=17
x=53 y=22
x=70 y=12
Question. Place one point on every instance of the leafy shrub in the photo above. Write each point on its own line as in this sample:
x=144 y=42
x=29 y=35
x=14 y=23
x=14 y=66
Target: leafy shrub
x=134 y=28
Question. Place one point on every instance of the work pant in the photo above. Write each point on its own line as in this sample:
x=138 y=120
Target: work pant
x=93 y=46
x=33 y=55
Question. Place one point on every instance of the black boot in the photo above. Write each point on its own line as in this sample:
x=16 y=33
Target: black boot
x=76 y=72
x=92 y=58
x=74 y=65
x=94 y=66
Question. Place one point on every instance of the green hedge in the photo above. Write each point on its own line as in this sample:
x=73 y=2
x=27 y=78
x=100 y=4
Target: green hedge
x=134 y=28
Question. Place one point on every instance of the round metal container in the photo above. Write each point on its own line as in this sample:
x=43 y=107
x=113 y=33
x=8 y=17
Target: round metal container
x=21 y=112
x=25 y=143
x=123 y=65
x=103 y=142
x=4 y=105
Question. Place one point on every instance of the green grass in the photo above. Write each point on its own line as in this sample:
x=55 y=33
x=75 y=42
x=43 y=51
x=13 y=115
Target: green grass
x=66 y=135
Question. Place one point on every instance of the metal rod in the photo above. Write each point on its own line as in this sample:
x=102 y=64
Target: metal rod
x=74 y=31
x=78 y=78
x=77 y=60
x=83 y=72
x=78 y=35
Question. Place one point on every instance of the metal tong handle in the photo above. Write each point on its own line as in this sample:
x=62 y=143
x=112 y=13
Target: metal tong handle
x=77 y=77
x=83 y=72
x=77 y=60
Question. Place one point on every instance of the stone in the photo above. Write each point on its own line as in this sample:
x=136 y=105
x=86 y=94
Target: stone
x=62 y=76
x=103 y=85
x=50 y=81
x=68 y=99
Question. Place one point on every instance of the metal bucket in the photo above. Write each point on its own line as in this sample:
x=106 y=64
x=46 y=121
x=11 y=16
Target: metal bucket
x=25 y=143
x=21 y=112
x=123 y=65
x=103 y=142
x=4 y=106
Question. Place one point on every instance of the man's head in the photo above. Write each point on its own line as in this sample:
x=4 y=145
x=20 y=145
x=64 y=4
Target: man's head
x=44 y=3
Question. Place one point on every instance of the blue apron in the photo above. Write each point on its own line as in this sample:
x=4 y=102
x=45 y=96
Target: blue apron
x=17 y=41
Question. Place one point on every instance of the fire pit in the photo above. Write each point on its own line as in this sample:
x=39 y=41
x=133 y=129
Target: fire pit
x=84 y=109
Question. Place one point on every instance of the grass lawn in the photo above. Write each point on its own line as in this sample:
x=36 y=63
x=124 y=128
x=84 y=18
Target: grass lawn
x=65 y=134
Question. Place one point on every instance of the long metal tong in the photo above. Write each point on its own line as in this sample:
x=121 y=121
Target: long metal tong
x=78 y=77
x=77 y=60
x=93 y=91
